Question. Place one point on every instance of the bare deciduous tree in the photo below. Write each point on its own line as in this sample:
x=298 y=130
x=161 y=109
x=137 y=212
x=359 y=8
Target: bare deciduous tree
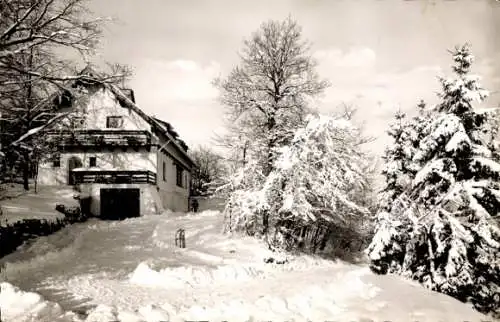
x=209 y=171
x=266 y=95
x=34 y=35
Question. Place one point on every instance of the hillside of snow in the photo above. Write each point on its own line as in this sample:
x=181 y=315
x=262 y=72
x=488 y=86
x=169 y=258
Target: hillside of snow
x=34 y=205
x=132 y=271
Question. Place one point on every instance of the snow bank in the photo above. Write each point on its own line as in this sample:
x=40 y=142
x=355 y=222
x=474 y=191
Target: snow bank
x=232 y=272
x=42 y=251
x=23 y=306
x=180 y=277
x=276 y=300
x=206 y=213
x=30 y=205
x=217 y=277
x=349 y=293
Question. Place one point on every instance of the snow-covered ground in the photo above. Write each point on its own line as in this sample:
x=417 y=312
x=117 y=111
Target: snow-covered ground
x=131 y=271
x=31 y=205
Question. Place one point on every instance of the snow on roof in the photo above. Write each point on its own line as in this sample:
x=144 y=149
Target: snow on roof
x=125 y=98
x=93 y=169
x=151 y=120
x=166 y=126
x=131 y=168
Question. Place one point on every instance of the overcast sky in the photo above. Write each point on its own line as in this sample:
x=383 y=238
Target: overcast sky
x=379 y=55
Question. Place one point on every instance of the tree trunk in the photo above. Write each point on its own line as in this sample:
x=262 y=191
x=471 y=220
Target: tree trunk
x=324 y=240
x=29 y=101
x=26 y=169
x=271 y=144
x=245 y=147
x=265 y=222
x=315 y=240
x=271 y=123
x=36 y=176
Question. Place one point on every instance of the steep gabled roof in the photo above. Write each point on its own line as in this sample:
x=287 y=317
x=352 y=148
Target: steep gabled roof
x=155 y=123
x=130 y=93
x=126 y=99
x=168 y=127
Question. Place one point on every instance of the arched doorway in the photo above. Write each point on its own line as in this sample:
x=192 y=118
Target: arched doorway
x=73 y=162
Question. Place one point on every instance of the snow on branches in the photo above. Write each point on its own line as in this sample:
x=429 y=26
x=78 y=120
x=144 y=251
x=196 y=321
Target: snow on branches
x=443 y=228
x=313 y=181
x=317 y=172
x=399 y=168
x=396 y=159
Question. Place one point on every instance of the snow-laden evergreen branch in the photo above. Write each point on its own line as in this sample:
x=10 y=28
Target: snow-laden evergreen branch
x=439 y=230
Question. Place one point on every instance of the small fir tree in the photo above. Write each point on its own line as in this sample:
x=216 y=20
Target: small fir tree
x=396 y=158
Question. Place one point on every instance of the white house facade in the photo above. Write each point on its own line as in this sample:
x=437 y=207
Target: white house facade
x=125 y=160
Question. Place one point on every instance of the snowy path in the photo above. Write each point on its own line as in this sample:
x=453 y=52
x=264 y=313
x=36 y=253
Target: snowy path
x=132 y=270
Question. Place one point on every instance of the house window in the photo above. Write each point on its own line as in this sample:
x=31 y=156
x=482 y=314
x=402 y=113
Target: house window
x=77 y=122
x=92 y=162
x=114 y=122
x=56 y=160
x=164 y=171
x=179 y=175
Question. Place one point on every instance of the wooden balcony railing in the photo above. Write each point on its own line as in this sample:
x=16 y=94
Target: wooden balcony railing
x=112 y=176
x=100 y=138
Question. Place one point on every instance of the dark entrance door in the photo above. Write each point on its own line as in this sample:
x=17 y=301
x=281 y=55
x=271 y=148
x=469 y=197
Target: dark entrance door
x=73 y=162
x=118 y=204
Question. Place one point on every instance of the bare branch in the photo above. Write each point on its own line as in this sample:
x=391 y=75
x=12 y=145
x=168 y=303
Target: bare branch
x=37 y=130
x=9 y=31
x=266 y=95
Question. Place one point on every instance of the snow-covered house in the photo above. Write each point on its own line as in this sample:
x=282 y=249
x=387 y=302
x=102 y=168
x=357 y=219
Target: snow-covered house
x=128 y=162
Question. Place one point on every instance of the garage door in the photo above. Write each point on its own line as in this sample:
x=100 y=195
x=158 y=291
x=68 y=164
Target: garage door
x=118 y=204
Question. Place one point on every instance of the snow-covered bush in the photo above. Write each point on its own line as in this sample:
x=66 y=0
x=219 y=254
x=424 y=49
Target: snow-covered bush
x=445 y=232
x=245 y=205
x=310 y=189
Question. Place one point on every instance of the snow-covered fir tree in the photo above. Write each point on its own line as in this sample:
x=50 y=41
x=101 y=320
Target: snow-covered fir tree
x=418 y=127
x=492 y=133
x=399 y=169
x=396 y=159
x=444 y=230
